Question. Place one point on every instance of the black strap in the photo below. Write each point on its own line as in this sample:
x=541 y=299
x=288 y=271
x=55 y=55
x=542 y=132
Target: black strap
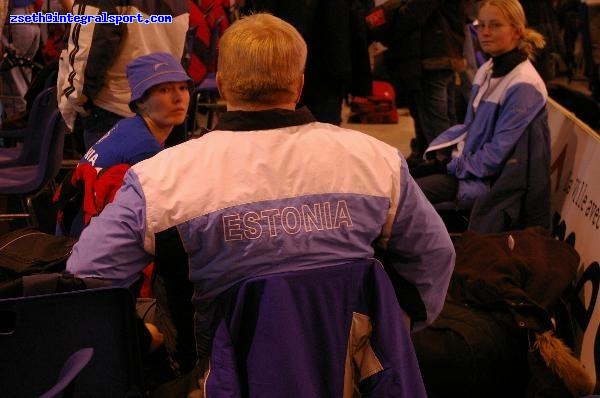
x=37 y=284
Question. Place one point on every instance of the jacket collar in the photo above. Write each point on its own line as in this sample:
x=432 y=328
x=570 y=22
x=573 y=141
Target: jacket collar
x=504 y=63
x=264 y=120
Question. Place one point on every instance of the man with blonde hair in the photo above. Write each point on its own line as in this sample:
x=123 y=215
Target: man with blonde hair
x=338 y=61
x=274 y=72
x=270 y=190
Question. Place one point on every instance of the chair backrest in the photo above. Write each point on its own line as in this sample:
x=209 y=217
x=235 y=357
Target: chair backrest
x=69 y=372
x=319 y=332
x=46 y=147
x=44 y=112
x=24 y=181
x=53 y=147
x=39 y=333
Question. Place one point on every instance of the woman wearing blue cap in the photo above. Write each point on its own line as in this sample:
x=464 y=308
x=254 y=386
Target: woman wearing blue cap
x=160 y=95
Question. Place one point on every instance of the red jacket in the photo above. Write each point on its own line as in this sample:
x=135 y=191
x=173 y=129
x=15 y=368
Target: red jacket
x=87 y=190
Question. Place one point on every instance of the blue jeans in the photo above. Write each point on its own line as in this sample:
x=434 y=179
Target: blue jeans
x=97 y=124
x=435 y=105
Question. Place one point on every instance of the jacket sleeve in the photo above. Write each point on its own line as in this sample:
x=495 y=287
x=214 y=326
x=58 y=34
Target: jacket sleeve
x=112 y=246
x=413 y=14
x=91 y=49
x=522 y=103
x=420 y=254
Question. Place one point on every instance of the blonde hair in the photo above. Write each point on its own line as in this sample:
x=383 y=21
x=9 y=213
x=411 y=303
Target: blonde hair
x=513 y=11
x=261 y=61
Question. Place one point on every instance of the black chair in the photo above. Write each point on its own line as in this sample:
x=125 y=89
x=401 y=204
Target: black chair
x=69 y=372
x=43 y=111
x=35 y=167
x=40 y=334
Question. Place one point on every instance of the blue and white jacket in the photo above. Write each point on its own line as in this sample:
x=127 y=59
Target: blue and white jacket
x=267 y=192
x=129 y=141
x=502 y=105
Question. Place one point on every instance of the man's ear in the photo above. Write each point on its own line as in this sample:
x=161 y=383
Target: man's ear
x=219 y=78
x=300 y=87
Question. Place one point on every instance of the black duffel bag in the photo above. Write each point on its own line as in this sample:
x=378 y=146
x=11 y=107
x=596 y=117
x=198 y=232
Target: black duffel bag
x=30 y=251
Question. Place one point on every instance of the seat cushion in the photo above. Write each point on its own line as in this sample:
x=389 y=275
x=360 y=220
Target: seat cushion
x=9 y=155
x=19 y=180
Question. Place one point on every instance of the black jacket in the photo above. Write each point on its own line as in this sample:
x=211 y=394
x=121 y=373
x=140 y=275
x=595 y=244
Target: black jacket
x=425 y=34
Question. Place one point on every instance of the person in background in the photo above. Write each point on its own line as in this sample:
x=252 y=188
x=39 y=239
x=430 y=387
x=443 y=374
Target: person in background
x=3 y=14
x=22 y=40
x=508 y=94
x=229 y=198
x=91 y=80
x=160 y=95
x=541 y=16
x=425 y=42
x=590 y=28
x=567 y=12
x=338 y=57
x=53 y=34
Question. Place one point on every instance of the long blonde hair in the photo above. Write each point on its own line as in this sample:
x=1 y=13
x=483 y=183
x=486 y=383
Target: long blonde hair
x=261 y=60
x=513 y=11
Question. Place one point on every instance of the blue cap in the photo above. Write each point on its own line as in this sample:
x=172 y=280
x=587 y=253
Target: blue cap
x=149 y=70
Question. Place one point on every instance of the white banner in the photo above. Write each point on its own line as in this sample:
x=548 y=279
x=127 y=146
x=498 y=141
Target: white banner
x=576 y=219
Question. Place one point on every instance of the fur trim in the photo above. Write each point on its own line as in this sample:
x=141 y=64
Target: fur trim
x=560 y=360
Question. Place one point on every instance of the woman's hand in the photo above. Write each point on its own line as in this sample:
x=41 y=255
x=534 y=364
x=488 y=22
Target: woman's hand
x=429 y=167
x=158 y=339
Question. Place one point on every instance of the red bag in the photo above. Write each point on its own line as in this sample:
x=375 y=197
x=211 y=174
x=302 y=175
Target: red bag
x=380 y=107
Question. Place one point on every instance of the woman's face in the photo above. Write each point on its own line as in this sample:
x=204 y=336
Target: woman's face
x=167 y=104
x=495 y=33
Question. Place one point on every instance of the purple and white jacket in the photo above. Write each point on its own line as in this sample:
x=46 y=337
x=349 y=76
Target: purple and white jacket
x=267 y=192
